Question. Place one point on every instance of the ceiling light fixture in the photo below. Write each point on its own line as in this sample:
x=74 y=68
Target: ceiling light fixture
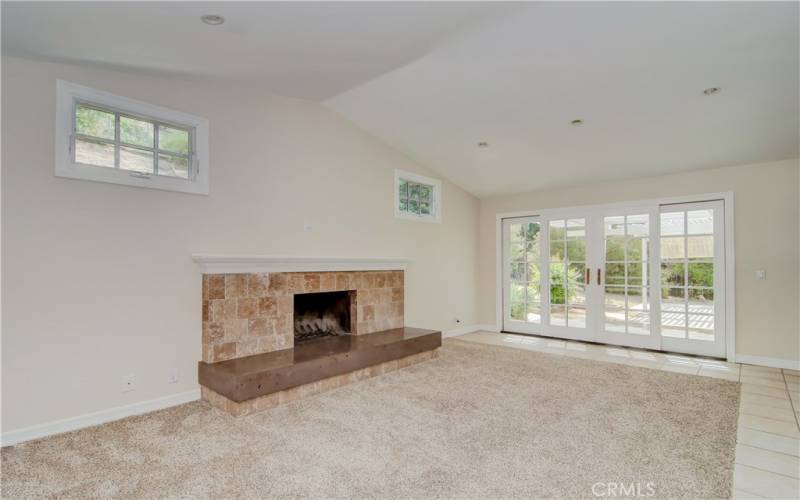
x=213 y=19
x=576 y=123
x=712 y=90
x=483 y=144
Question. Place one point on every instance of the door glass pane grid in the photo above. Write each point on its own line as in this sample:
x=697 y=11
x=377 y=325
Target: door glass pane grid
x=567 y=272
x=687 y=274
x=524 y=273
x=627 y=292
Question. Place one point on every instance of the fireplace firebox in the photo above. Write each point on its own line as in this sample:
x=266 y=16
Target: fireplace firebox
x=323 y=314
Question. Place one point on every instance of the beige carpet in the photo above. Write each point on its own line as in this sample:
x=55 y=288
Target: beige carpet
x=481 y=421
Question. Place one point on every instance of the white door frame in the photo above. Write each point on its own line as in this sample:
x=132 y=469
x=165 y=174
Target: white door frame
x=730 y=258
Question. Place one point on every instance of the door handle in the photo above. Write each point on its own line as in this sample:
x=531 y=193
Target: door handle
x=598 y=276
x=588 y=276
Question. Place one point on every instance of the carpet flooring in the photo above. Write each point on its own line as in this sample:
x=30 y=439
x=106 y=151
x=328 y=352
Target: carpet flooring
x=479 y=422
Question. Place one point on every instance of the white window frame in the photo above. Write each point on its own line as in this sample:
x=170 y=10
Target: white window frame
x=68 y=95
x=436 y=201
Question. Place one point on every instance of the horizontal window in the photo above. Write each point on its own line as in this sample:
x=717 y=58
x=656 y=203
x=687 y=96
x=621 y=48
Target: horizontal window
x=114 y=139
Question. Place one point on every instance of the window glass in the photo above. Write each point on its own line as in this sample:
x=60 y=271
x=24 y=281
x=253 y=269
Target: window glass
x=415 y=198
x=133 y=146
x=94 y=122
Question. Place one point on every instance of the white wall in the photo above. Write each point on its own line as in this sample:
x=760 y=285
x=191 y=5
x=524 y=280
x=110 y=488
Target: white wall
x=97 y=278
x=766 y=202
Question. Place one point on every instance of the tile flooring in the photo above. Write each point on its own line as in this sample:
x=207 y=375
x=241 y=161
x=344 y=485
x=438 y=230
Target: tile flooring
x=768 y=447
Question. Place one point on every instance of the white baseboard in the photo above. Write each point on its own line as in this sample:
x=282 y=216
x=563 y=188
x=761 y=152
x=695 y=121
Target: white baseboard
x=489 y=328
x=462 y=330
x=789 y=364
x=97 y=418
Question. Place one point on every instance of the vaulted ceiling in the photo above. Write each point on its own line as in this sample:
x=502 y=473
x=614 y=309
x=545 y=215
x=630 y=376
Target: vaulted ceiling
x=436 y=79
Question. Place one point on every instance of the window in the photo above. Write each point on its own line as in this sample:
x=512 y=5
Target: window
x=108 y=138
x=417 y=197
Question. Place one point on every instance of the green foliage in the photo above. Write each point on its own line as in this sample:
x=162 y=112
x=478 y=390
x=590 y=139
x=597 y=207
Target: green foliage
x=97 y=123
x=558 y=294
x=94 y=122
x=135 y=131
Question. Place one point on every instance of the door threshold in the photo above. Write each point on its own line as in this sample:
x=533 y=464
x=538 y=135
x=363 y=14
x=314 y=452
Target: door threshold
x=614 y=345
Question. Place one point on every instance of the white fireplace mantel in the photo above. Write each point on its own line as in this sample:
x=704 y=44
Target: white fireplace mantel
x=232 y=264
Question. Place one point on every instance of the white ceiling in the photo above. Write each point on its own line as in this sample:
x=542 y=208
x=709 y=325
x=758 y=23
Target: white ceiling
x=434 y=79
x=634 y=71
x=300 y=49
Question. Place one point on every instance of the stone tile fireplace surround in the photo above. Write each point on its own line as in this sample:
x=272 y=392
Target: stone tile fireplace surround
x=248 y=332
x=252 y=313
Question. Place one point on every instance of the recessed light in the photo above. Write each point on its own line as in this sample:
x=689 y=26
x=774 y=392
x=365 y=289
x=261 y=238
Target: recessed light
x=213 y=19
x=576 y=123
x=483 y=144
x=712 y=90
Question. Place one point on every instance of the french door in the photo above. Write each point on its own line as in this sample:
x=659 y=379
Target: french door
x=645 y=276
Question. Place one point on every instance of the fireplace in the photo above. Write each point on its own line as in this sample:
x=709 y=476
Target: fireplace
x=325 y=314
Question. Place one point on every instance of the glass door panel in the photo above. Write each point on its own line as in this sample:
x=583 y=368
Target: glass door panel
x=641 y=275
x=567 y=271
x=692 y=276
x=522 y=278
x=625 y=278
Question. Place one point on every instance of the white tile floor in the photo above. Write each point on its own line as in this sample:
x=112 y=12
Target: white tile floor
x=768 y=443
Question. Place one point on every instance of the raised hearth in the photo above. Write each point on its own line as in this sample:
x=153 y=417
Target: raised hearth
x=277 y=329
x=251 y=377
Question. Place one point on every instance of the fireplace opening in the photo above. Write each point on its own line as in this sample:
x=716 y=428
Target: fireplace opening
x=321 y=315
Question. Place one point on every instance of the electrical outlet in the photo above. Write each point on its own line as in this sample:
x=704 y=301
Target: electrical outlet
x=458 y=320
x=128 y=382
x=173 y=375
x=761 y=274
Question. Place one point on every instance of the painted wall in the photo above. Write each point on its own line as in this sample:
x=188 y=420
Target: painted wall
x=766 y=214
x=97 y=278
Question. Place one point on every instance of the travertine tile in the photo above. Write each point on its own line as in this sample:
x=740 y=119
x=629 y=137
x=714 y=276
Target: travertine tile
x=769 y=441
x=247 y=308
x=768 y=382
x=764 y=390
x=759 y=458
x=767 y=484
x=278 y=284
x=769 y=425
x=706 y=372
x=759 y=370
x=216 y=286
x=257 y=285
x=268 y=307
x=232 y=301
x=327 y=282
x=743 y=495
x=785 y=414
x=311 y=282
x=235 y=286
x=760 y=399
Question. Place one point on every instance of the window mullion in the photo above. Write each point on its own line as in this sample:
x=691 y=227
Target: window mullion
x=155 y=147
x=116 y=140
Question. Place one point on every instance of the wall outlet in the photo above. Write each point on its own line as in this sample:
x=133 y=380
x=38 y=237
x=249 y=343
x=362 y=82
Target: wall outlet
x=761 y=274
x=458 y=320
x=128 y=382
x=173 y=376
